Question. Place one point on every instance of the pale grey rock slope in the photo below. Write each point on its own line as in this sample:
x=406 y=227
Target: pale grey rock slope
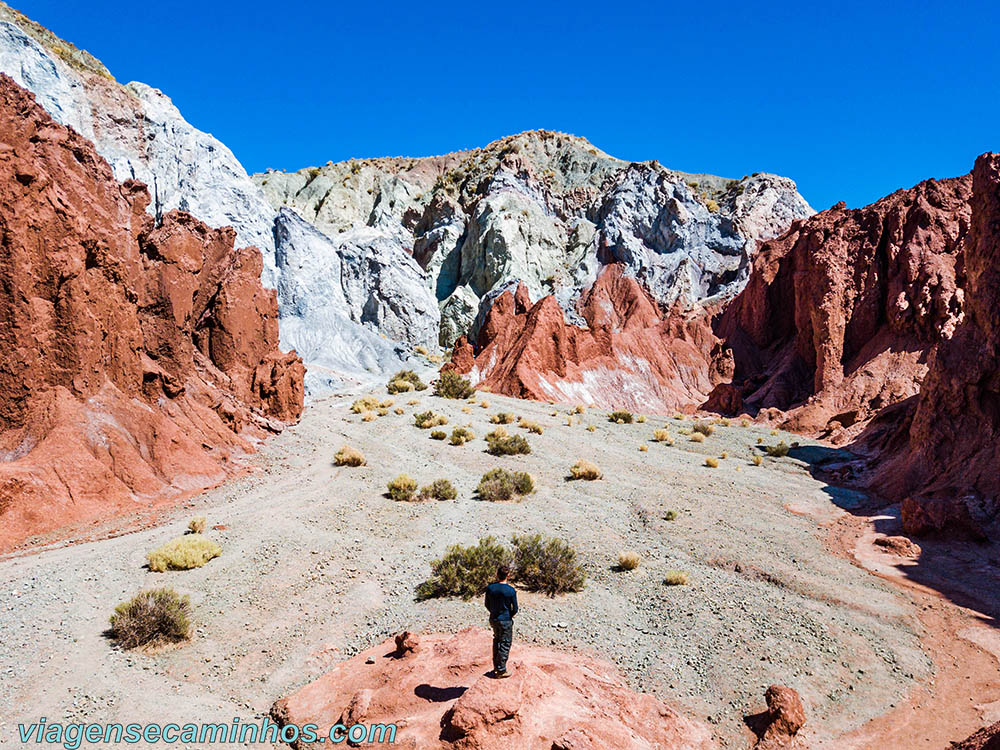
x=353 y=307
x=550 y=210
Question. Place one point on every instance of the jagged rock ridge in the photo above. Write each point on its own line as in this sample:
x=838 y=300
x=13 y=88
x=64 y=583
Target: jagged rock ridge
x=138 y=361
x=547 y=210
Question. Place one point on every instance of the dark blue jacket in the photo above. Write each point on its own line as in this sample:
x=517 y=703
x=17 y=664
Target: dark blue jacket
x=501 y=601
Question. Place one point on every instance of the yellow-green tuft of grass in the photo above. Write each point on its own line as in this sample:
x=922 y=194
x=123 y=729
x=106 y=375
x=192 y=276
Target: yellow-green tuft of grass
x=413 y=402
x=438 y=435
x=421 y=350
x=427 y=419
x=744 y=423
x=484 y=404
x=584 y=469
x=704 y=428
x=504 y=417
x=774 y=432
x=644 y=448
x=461 y=436
x=676 y=578
x=760 y=440
x=712 y=463
x=197 y=525
x=530 y=426
x=366 y=404
x=382 y=411
x=439 y=489
x=628 y=560
x=641 y=418
x=670 y=515
x=661 y=436
x=399 y=410
x=348 y=456
x=777 y=451
x=183 y=553
x=452 y=385
x=591 y=428
x=579 y=409
x=621 y=417
x=757 y=460
x=697 y=437
x=466 y=410
x=403 y=487
x=385 y=404
x=678 y=415
x=569 y=421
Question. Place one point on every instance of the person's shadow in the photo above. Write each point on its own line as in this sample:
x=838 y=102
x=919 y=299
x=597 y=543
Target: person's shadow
x=438 y=694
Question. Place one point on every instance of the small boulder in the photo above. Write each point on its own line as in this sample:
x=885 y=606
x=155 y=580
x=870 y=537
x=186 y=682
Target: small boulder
x=406 y=643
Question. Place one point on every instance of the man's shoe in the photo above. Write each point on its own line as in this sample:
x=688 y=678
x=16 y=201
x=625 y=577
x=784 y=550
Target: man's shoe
x=500 y=675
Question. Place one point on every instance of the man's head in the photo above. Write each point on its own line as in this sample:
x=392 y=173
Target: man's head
x=503 y=572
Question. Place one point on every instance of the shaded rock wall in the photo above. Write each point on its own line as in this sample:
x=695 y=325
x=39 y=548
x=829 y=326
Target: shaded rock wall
x=137 y=361
x=841 y=312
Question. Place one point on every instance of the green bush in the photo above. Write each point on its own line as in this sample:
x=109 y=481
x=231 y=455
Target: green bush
x=183 y=553
x=703 y=427
x=403 y=487
x=453 y=385
x=461 y=436
x=439 y=489
x=465 y=571
x=621 y=417
x=405 y=381
x=499 y=443
x=547 y=565
x=151 y=617
x=500 y=484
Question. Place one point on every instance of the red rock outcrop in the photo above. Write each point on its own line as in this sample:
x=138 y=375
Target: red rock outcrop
x=841 y=312
x=782 y=721
x=987 y=738
x=950 y=475
x=440 y=697
x=630 y=355
x=137 y=362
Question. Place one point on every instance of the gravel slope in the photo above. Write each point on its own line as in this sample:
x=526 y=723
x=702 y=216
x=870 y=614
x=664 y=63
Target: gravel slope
x=318 y=564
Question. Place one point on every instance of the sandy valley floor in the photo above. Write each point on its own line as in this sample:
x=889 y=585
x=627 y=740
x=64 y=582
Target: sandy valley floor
x=318 y=564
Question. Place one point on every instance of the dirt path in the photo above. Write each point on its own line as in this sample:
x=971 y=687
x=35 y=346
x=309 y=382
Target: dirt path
x=318 y=565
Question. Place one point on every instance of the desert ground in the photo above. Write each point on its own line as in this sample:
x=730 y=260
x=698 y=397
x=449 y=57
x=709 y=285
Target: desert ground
x=318 y=564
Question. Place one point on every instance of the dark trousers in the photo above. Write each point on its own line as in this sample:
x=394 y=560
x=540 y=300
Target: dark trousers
x=503 y=634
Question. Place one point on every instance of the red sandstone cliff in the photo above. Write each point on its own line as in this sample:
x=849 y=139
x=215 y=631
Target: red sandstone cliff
x=841 y=313
x=630 y=355
x=136 y=362
x=950 y=474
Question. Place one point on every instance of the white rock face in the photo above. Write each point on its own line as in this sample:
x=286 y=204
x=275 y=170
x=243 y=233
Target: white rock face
x=353 y=307
x=550 y=210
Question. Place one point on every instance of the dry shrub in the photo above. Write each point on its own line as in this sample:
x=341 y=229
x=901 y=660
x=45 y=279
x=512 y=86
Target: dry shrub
x=439 y=489
x=774 y=432
x=421 y=350
x=150 y=618
x=641 y=419
x=591 y=428
x=399 y=410
x=504 y=417
x=499 y=484
x=427 y=419
x=676 y=578
x=499 y=443
x=583 y=469
x=628 y=560
x=453 y=385
x=712 y=463
x=368 y=416
x=461 y=436
x=621 y=417
x=465 y=571
x=348 y=456
x=744 y=423
x=403 y=487
x=757 y=460
x=703 y=427
x=183 y=553
x=579 y=409
x=197 y=525
x=484 y=404
x=547 y=565
x=661 y=436
x=760 y=440
x=697 y=437
x=678 y=415
x=777 y=451
x=405 y=381
x=644 y=448
x=723 y=455
x=385 y=404
x=382 y=411
x=530 y=426
x=366 y=404
x=438 y=435
x=569 y=421
x=413 y=402
x=466 y=410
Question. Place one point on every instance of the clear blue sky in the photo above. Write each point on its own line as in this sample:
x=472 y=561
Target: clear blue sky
x=852 y=100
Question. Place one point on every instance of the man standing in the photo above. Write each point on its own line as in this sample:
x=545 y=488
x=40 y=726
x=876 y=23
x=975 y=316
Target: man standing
x=501 y=601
